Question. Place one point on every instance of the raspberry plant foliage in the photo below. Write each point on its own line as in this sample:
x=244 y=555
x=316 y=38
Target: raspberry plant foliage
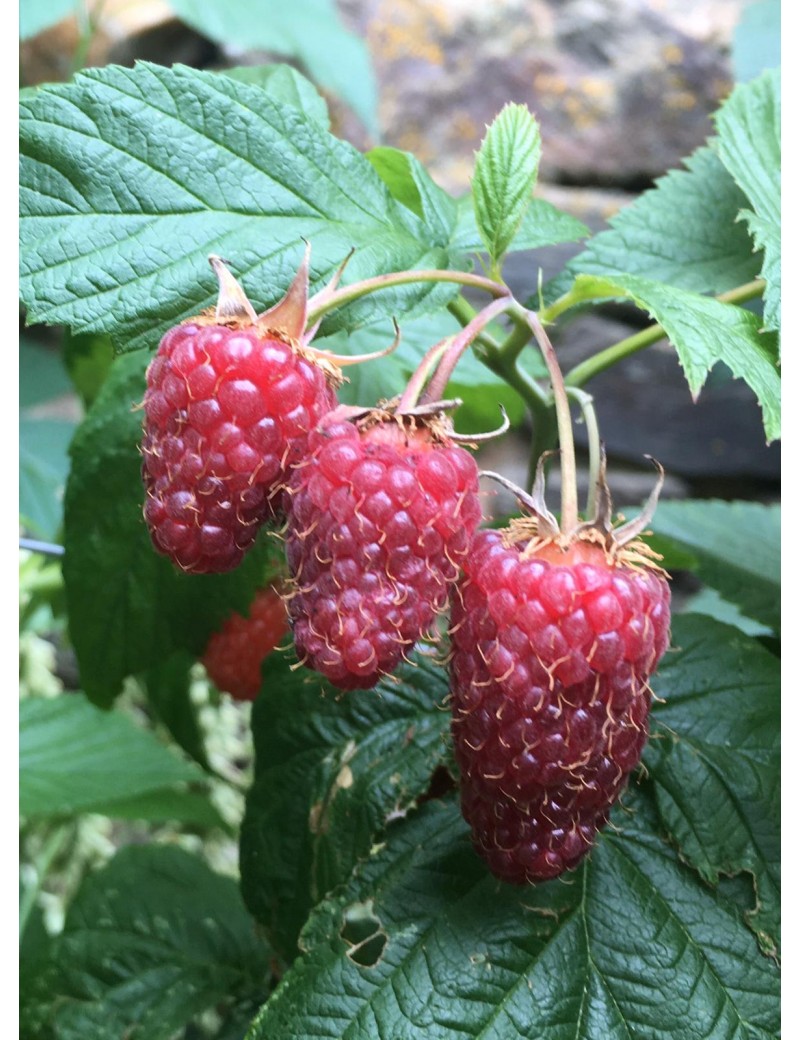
x=355 y=861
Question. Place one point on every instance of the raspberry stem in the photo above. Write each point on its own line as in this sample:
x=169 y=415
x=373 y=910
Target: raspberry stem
x=586 y=402
x=569 y=480
x=388 y=281
x=459 y=343
x=416 y=383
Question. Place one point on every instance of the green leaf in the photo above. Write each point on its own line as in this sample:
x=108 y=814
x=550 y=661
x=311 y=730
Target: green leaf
x=411 y=184
x=705 y=331
x=542 y=225
x=130 y=178
x=150 y=942
x=506 y=166
x=43 y=468
x=310 y=30
x=88 y=359
x=749 y=125
x=423 y=942
x=330 y=772
x=684 y=231
x=36 y=15
x=709 y=602
x=128 y=607
x=168 y=685
x=737 y=547
x=286 y=84
x=714 y=758
x=75 y=758
x=35 y=976
x=757 y=39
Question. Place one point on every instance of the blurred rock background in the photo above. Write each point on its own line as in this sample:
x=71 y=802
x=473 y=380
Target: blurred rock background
x=623 y=90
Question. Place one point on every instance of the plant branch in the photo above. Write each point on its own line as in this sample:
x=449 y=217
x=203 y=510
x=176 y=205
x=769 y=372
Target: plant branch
x=569 y=482
x=586 y=402
x=459 y=343
x=389 y=281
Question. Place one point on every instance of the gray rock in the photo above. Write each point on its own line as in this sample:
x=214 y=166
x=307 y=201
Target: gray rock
x=623 y=89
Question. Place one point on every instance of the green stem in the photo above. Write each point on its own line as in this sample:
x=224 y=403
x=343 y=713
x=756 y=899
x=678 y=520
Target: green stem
x=463 y=310
x=41 y=865
x=502 y=359
x=459 y=343
x=582 y=373
x=388 y=281
x=569 y=480
x=416 y=384
x=586 y=401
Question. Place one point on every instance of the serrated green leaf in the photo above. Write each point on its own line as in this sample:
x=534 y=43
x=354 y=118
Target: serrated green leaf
x=749 y=125
x=714 y=758
x=542 y=225
x=75 y=758
x=411 y=184
x=151 y=941
x=131 y=177
x=43 y=468
x=630 y=947
x=284 y=83
x=128 y=607
x=684 y=232
x=36 y=15
x=737 y=547
x=506 y=167
x=309 y=30
x=330 y=772
x=703 y=332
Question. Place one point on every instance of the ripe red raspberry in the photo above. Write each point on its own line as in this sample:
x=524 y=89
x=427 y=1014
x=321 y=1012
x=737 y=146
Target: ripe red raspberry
x=235 y=653
x=382 y=516
x=552 y=650
x=230 y=399
x=227 y=413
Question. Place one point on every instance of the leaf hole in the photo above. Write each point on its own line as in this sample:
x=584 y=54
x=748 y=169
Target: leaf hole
x=362 y=931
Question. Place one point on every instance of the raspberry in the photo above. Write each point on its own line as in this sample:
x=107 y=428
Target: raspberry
x=382 y=516
x=552 y=650
x=230 y=399
x=227 y=413
x=235 y=653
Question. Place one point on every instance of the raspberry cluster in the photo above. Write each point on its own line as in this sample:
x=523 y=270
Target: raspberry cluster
x=382 y=517
x=553 y=636
x=227 y=413
x=551 y=655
